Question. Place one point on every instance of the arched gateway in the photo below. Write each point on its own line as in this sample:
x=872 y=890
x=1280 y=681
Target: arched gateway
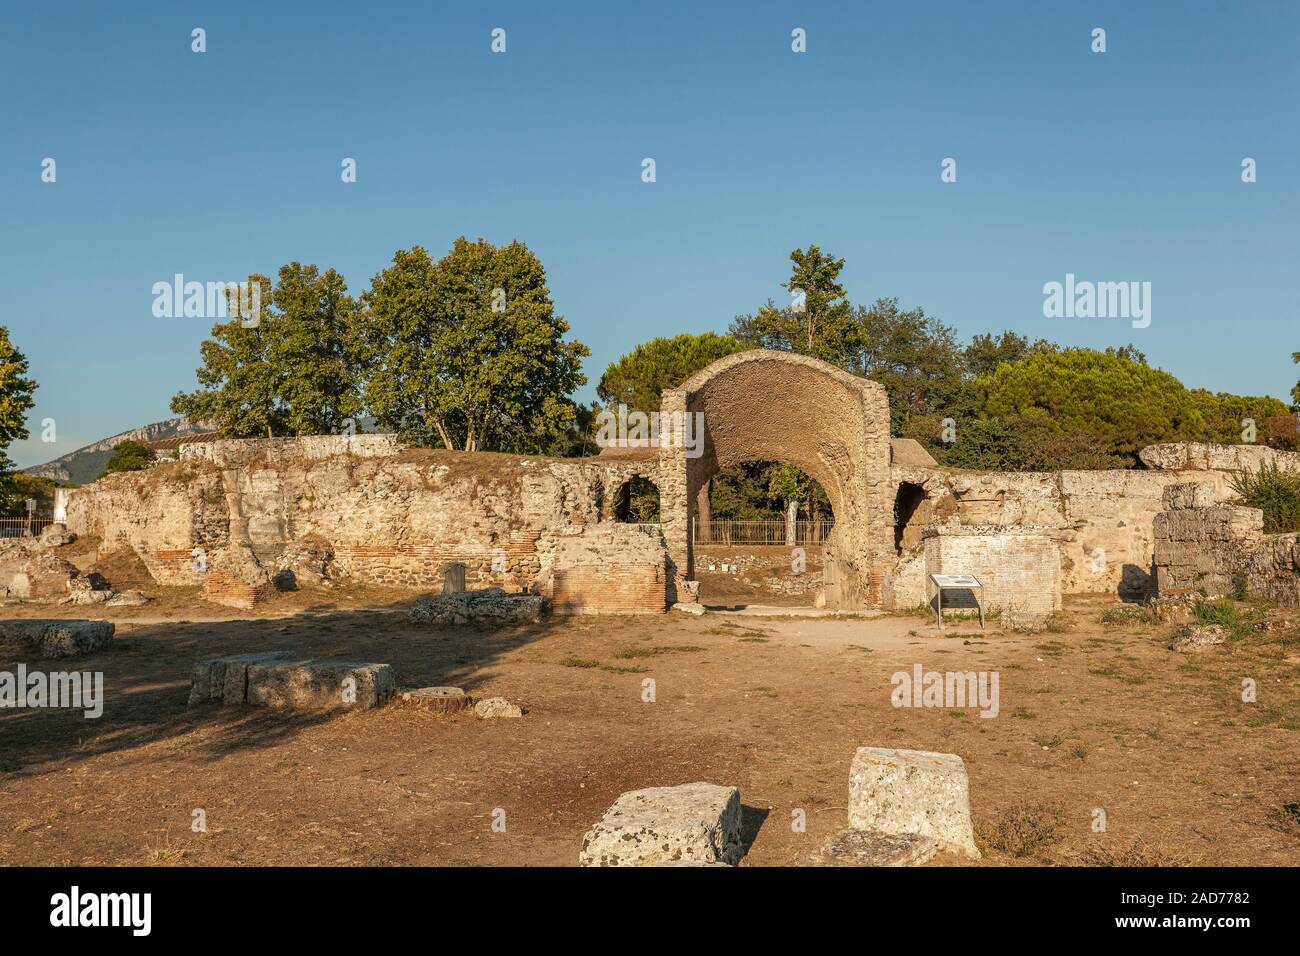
x=775 y=406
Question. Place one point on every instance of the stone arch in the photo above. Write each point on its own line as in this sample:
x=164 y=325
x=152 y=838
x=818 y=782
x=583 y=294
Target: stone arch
x=777 y=406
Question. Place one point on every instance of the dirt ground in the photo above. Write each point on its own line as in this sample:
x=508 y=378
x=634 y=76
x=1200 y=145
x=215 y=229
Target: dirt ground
x=1091 y=716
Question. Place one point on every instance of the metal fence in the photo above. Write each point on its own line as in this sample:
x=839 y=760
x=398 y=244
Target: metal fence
x=761 y=532
x=24 y=527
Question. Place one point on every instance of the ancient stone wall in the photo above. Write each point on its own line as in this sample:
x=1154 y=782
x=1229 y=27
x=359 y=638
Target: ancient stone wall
x=763 y=405
x=1019 y=568
x=1102 y=521
x=1203 y=547
x=391 y=519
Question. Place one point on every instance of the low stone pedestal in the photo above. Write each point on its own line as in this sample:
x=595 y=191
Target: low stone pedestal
x=864 y=848
x=268 y=680
x=696 y=822
x=54 y=638
x=441 y=700
x=912 y=792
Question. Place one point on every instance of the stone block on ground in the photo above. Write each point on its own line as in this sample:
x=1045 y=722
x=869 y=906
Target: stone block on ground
x=316 y=685
x=496 y=707
x=904 y=792
x=54 y=638
x=270 y=679
x=867 y=848
x=442 y=700
x=695 y=822
x=1197 y=637
x=224 y=680
x=488 y=606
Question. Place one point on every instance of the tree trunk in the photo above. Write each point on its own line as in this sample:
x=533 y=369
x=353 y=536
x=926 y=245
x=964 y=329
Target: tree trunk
x=703 y=512
x=791 y=522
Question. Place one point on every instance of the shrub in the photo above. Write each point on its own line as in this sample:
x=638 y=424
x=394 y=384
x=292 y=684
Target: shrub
x=1126 y=614
x=1275 y=491
x=129 y=456
x=1021 y=830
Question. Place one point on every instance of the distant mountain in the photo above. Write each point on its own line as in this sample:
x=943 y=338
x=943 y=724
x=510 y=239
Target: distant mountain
x=87 y=464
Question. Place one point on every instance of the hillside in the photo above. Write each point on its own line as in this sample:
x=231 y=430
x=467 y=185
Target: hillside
x=87 y=464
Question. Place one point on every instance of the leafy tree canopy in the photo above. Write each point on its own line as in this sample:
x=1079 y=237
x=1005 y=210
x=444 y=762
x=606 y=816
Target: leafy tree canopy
x=289 y=373
x=129 y=455
x=467 y=351
x=639 y=378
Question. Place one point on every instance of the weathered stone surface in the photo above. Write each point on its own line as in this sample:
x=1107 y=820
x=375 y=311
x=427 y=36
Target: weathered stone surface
x=235 y=578
x=868 y=848
x=901 y=792
x=127 y=599
x=1212 y=551
x=697 y=822
x=1204 y=456
x=313 y=685
x=442 y=700
x=56 y=535
x=224 y=680
x=269 y=680
x=496 y=707
x=1020 y=569
x=489 y=606
x=689 y=607
x=54 y=638
x=1197 y=637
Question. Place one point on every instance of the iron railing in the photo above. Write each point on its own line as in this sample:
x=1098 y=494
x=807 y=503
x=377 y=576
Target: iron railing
x=760 y=532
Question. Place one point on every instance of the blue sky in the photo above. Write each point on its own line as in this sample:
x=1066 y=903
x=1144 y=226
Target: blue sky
x=1116 y=166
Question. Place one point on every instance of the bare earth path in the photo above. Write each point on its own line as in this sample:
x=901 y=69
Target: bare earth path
x=1094 y=717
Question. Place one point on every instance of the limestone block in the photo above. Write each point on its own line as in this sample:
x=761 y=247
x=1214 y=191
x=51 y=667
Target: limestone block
x=697 y=822
x=867 y=848
x=488 y=606
x=311 y=685
x=54 y=638
x=225 y=679
x=1195 y=638
x=898 y=792
x=497 y=707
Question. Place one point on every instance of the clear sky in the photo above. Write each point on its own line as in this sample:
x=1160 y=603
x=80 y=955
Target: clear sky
x=1118 y=166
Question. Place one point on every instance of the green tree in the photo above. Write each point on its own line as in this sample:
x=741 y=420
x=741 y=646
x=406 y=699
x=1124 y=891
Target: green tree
x=289 y=373
x=914 y=355
x=1114 y=401
x=468 y=352
x=129 y=455
x=16 y=390
x=1295 y=391
x=639 y=378
x=821 y=325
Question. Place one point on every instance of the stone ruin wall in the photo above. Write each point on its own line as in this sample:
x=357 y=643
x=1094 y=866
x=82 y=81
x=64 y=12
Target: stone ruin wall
x=1103 y=521
x=1204 y=546
x=394 y=516
x=380 y=514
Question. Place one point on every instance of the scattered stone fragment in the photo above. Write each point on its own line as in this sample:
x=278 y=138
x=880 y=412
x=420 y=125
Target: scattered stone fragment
x=442 y=700
x=127 y=599
x=905 y=792
x=1197 y=637
x=866 y=848
x=497 y=707
x=689 y=607
x=489 y=606
x=56 y=535
x=694 y=823
x=59 y=638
